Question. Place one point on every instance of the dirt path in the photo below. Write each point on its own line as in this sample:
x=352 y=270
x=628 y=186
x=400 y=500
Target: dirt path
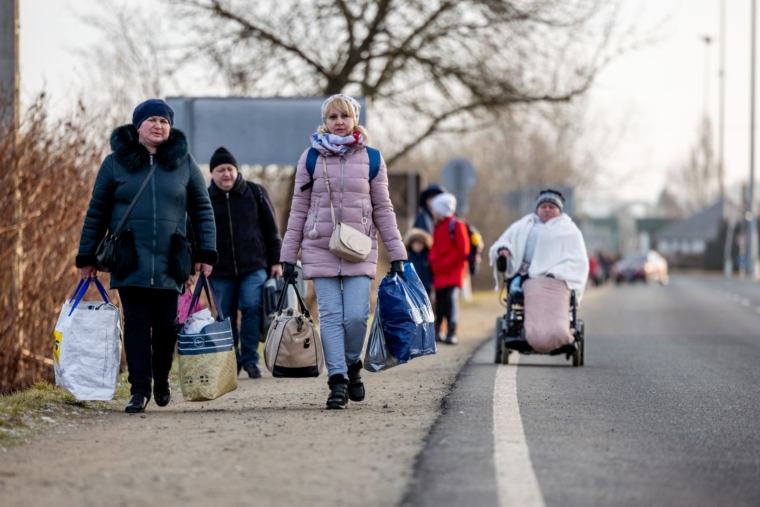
x=270 y=443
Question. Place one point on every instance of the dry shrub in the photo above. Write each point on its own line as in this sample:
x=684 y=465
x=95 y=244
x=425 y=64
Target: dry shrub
x=45 y=189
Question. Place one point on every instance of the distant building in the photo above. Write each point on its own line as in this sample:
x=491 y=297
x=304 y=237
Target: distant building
x=647 y=228
x=691 y=235
x=601 y=234
x=699 y=241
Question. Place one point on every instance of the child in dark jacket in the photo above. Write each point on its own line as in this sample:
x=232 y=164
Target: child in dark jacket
x=418 y=243
x=448 y=262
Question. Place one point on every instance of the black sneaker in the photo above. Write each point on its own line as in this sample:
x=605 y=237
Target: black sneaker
x=452 y=340
x=355 y=384
x=253 y=371
x=338 y=398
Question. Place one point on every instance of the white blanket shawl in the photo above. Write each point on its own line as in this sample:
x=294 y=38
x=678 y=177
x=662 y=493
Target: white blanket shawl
x=560 y=252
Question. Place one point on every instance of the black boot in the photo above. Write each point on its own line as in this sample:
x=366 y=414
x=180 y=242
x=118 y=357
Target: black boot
x=253 y=371
x=338 y=398
x=355 y=384
x=137 y=404
x=162 y=395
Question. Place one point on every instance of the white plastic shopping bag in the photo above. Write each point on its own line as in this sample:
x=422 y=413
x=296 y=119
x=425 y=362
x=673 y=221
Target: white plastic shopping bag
x=88 y=345
x=195 y=323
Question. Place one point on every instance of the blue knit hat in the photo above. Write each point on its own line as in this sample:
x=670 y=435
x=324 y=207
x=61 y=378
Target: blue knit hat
x=551 y=196
x=152 y=107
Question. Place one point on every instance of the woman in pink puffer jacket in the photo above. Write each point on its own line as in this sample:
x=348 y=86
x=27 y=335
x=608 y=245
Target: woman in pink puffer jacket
x=342 y=287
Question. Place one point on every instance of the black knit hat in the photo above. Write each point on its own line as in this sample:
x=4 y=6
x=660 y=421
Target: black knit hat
x=551 y=196
x=222 y=156
x=152 y=107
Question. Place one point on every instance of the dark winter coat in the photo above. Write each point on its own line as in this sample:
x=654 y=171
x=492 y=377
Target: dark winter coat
x=420 y=260
x=247 y=238
x=421 y=265
x=424 y=219
x=152 y=249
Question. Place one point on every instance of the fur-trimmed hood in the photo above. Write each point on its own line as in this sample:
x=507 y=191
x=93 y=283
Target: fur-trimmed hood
x=133 y=155
x=415 y=234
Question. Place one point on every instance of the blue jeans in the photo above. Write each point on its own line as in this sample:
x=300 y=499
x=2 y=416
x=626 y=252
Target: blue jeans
x=516 y=284
x=243 y=293
x=343 y=313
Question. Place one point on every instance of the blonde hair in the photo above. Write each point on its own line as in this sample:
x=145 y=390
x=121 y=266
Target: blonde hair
x=343 y=107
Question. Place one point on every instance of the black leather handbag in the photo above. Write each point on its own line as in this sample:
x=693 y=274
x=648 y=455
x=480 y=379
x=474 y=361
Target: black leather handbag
x=106 y=253
x=270 y=296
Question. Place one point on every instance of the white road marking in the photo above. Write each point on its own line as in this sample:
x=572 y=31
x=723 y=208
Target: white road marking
x=515 y=479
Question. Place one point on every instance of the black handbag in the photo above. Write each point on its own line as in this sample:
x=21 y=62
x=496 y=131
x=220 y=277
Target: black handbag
x=270 y=296
x=105 y=255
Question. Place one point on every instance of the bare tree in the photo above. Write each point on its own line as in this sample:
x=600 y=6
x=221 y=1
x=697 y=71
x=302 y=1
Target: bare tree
x=697 y=178
x=435 y=65
x=58 y=161
x=133 y=61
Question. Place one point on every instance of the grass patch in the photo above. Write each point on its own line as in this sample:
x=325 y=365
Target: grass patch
x=25 y=413
x=42 y=406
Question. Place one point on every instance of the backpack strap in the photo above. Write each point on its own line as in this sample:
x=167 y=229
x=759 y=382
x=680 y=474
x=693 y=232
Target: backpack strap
x=313 y=155
x=374 y=162
x=311 y=164
x=256 y=191
x=452 y=227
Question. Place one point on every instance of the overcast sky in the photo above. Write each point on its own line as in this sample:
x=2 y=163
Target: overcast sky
x=650 y=100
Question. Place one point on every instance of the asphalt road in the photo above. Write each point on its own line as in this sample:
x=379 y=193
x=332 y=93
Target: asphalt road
x=666 y=411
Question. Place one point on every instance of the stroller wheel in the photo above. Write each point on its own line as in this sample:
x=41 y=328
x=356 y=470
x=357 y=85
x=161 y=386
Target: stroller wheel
x=505 y=356
x=577 y=353
x=498 y=342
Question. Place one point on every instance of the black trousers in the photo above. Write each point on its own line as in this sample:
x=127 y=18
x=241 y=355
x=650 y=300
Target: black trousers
x=149 y=336
x=446 y=307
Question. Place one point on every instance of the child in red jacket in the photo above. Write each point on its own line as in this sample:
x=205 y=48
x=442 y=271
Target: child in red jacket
x=448 y=262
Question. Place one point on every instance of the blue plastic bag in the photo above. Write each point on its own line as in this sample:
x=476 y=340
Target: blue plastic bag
x=406 y=315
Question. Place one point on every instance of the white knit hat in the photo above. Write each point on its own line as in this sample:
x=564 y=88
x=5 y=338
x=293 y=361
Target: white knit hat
x=444 y=204
x=354 y=103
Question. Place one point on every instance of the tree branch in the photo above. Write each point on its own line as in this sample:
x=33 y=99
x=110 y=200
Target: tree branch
x=223 y=13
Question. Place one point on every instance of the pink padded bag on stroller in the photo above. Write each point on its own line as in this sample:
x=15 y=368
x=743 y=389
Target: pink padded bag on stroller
x=547 y=323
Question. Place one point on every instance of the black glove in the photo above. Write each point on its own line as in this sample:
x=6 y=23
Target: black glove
x=397 y=267
x=289 y=271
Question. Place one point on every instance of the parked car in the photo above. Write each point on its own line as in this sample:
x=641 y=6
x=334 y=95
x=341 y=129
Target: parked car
x=650 y=267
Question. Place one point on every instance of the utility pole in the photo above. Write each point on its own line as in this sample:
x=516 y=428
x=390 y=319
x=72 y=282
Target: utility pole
x=9 y=68
x=728 y=262
x=706 y=106
x=722 y=99
x=750 y=216
x=9 y=125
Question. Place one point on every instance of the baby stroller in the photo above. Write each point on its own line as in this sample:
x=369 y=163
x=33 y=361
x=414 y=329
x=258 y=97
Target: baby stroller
x=509 y=334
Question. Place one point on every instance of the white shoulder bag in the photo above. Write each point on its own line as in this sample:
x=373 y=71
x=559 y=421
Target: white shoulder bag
x=345 y=242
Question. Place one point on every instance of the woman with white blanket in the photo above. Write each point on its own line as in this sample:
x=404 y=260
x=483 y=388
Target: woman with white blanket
x=546 y=259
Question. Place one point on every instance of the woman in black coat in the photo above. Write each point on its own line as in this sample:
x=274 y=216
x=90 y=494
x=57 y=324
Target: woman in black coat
x=153 y=257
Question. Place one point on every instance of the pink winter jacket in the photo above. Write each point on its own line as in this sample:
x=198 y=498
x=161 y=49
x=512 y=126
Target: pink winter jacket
x=358 y=203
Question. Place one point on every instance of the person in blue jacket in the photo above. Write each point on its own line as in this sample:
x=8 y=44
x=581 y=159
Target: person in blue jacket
x=418 y=244
x=424 y=219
